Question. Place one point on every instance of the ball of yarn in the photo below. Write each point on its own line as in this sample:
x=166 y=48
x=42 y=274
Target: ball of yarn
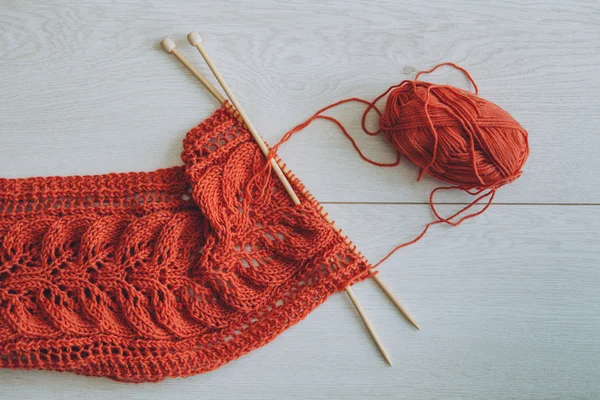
x=451 y=134
x=454 y=135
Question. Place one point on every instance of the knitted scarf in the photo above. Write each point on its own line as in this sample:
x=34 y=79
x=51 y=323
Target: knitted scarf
x=143 y=276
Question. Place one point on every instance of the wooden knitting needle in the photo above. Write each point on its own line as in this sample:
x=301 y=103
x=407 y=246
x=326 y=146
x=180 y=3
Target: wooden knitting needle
x=395 y=302
x=196 y=41
x=369 y=326
x=169 y=46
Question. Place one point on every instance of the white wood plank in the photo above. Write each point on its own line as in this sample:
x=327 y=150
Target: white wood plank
x=86 y=89
x=508 y=304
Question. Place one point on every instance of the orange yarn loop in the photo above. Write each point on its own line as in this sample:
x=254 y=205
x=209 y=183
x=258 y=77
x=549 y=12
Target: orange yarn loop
x=449 y=133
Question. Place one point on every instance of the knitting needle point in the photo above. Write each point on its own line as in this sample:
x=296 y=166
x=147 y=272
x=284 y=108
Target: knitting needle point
x=368 y=325
x=396 y=303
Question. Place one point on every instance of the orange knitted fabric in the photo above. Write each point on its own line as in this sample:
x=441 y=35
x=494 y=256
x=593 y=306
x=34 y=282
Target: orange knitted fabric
x=143 y=276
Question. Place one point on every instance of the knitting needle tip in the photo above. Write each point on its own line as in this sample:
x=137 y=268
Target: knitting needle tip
x=194 y=38
x=395 y=302
x=168 y=44
x=387 y=358
x=368 y=325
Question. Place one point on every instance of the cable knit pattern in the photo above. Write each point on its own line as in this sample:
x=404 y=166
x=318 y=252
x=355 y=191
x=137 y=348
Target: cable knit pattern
x=143 y=276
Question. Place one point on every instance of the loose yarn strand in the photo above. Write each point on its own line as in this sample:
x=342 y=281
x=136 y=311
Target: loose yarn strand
x=455 y=66
x=318 y=115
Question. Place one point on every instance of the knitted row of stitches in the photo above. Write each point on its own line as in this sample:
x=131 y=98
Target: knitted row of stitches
x=144 y=276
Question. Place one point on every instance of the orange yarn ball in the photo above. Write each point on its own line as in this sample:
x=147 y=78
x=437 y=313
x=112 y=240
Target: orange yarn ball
x=449 y=133
x=454 y=135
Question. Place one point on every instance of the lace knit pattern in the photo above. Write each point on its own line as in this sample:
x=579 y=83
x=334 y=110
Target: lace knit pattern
x=143 y=276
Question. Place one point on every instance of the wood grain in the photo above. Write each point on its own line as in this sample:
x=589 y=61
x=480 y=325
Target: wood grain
x=508 y=303
x=82 y=83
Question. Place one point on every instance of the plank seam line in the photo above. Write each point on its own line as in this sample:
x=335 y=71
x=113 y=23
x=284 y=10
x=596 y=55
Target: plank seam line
x=408 y=203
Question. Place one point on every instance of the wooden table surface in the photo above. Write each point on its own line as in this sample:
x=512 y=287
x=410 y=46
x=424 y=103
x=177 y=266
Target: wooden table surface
x=509 y=303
